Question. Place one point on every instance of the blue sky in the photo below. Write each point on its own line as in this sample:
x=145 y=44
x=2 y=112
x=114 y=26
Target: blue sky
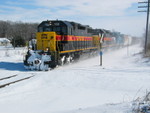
x=119 y=15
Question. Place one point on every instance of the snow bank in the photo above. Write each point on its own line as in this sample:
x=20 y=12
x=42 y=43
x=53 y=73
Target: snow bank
x=82 y=87
x=11 y=53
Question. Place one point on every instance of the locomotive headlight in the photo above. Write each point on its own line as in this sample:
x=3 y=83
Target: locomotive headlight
x=30 y=63
x=50 y=23
x=37 y=61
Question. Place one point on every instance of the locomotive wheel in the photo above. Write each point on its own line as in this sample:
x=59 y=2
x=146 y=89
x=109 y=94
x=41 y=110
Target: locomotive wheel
x=61 y=61
x=68 y=59
x=76 y=56
x=53 y=64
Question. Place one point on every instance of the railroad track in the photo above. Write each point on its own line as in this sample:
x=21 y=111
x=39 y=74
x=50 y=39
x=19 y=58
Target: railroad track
x=7 y=77
x=6 y=81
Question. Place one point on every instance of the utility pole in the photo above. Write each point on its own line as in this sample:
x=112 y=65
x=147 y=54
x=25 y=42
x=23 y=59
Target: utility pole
x=101 y=53
x=146 y=5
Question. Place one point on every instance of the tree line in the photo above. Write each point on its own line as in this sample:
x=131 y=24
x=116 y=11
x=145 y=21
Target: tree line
x=19 y=33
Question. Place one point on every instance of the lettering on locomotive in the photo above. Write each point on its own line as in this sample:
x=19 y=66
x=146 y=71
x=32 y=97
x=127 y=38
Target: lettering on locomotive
x=43 y=36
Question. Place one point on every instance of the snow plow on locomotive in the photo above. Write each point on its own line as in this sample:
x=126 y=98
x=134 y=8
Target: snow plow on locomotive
x=60 y=42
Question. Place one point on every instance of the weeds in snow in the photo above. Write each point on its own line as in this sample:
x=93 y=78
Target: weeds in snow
x=141 y=105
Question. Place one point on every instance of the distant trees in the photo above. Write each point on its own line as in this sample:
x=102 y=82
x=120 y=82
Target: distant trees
x=18 y=32
x=4 y=26
x=18 y=41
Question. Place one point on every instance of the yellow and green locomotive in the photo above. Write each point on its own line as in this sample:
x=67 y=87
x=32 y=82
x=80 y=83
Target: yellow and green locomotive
x=59 y=42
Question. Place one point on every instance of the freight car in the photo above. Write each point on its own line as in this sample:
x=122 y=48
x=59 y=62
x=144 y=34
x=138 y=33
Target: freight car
x=59 y=42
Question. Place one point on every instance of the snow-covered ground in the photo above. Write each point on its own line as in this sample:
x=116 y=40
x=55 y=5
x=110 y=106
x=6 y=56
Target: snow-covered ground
x=82 y=87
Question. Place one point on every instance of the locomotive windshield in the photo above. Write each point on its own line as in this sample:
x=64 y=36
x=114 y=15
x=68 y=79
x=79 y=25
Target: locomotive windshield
x=60 y=30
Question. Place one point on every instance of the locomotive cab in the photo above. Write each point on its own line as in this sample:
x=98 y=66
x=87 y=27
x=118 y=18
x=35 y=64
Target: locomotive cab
x=49 y=31
x=51 y=35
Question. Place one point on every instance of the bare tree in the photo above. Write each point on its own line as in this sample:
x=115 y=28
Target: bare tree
x=4 y=28
x=18 y=32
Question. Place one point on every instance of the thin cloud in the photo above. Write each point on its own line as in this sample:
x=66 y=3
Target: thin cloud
x=96 y=13
x=90 y=7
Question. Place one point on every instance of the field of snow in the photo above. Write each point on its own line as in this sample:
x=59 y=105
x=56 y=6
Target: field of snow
x=82 y=87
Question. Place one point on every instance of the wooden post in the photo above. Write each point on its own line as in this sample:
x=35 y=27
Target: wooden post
x=101 y=54
x=147 y=23
x=147 y=20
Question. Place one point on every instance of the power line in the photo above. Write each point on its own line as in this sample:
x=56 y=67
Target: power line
x=143 y=11
x=142 y=2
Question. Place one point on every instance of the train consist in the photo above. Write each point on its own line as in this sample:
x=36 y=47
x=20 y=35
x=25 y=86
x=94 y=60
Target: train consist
x=58 y=42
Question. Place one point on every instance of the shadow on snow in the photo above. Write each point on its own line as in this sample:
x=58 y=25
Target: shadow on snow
x=12 y=66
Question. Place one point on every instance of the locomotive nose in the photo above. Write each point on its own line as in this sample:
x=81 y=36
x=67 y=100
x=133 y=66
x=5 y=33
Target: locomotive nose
x=46 y=40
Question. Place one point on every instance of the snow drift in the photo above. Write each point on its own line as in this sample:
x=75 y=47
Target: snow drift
x=82 y=87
